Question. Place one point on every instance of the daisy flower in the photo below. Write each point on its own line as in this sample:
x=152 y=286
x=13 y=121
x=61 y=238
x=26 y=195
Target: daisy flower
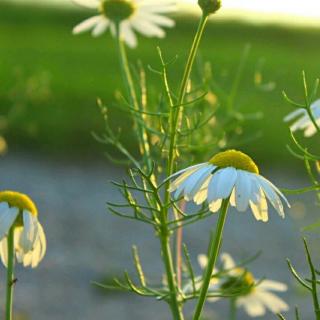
x=229 y=175
x=258 y=297
x=19 y=212
x=143 y=16
x=303 y=121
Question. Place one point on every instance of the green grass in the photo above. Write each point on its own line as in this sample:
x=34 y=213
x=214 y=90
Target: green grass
x=50 y=79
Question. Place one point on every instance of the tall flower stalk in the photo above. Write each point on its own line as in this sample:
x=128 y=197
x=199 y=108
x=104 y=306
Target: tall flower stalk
x=214 y=248
x=134 y=103
x=10 y=274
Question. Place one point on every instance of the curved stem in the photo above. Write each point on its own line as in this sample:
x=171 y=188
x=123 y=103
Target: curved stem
x=127 y=76
x=214 y=248
x=10 y=274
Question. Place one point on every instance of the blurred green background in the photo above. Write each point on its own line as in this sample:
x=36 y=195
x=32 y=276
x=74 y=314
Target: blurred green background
x=50 y=79
x=49 y=83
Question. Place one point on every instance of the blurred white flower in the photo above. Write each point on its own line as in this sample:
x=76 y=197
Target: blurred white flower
x=143 y=16
x=19 y=211
x=258 y=296
x=303 y=121
x=229 y=174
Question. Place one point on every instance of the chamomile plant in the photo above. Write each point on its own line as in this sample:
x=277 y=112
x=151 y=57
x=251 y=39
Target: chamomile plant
x=22 y=238
x=305 y=118
x=169 y=132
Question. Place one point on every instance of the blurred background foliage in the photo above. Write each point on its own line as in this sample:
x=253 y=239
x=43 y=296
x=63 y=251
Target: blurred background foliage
x=50 y=79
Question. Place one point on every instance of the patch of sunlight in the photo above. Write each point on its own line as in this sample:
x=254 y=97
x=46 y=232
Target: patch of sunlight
x=288 y=12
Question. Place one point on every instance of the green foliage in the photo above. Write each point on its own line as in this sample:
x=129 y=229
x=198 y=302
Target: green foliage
x=51 y=79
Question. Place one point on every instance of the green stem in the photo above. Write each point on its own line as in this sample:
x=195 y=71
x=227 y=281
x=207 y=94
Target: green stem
x=127 y=76
x=175 y=114
x=313 y=120
x=213 y=254
x=176 y=307
x=10 y=274
x=233 y=309
x=174 y=123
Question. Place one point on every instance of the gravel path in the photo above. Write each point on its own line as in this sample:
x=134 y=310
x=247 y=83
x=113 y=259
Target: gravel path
x=85 y=243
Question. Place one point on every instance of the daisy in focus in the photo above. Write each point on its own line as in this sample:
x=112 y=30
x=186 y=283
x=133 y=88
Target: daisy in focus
x=17 y=211
x=230 y=175
x=255 y=296
x=303 y=121
x=143 y=16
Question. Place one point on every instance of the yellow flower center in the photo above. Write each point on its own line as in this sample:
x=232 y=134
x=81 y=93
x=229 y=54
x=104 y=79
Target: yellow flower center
x=247 y=277
x=117 y=10
x=18 y=200
x=235 y=159
x=241 y=281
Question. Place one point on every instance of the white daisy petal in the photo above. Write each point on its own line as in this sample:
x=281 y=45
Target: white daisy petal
x=128 y=34
x=184 y=174
x=272 y=196
x=215 y=206
x=213 y=186
x=311 y=129
x=201 y=195
x=4 y=251
x=242 y=190
x=273 y=285
x=29 y=233
x=202 y=260
x=147 y=28
x=100 y=27
x=159 y=20
x=42 y=242
x=253 y=306
x=294 y=114
x=228 y=178
x=260 y=208
x=303 y=121
x=195 y=181
x=87 y=24
x=228 y=262
x=271 y=301
x=7 y=218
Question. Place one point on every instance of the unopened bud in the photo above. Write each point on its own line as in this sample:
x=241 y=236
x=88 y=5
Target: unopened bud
x=209 y=6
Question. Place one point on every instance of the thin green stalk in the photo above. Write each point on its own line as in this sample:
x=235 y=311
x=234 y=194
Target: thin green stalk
x=314 y=292
x=214 y=246
x=175 y=113
x=176 y=306
x=142 y=134
x=10 y=274
x=310 y=114
x=233 y=309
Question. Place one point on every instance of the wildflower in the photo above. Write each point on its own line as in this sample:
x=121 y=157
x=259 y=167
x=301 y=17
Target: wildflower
x=254 y=295
x=143 y=16
x=303 y=121
x=229 y=175
x=19 y=212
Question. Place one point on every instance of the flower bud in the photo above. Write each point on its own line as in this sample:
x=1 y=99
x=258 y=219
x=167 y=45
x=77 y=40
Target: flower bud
x=209 y=6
